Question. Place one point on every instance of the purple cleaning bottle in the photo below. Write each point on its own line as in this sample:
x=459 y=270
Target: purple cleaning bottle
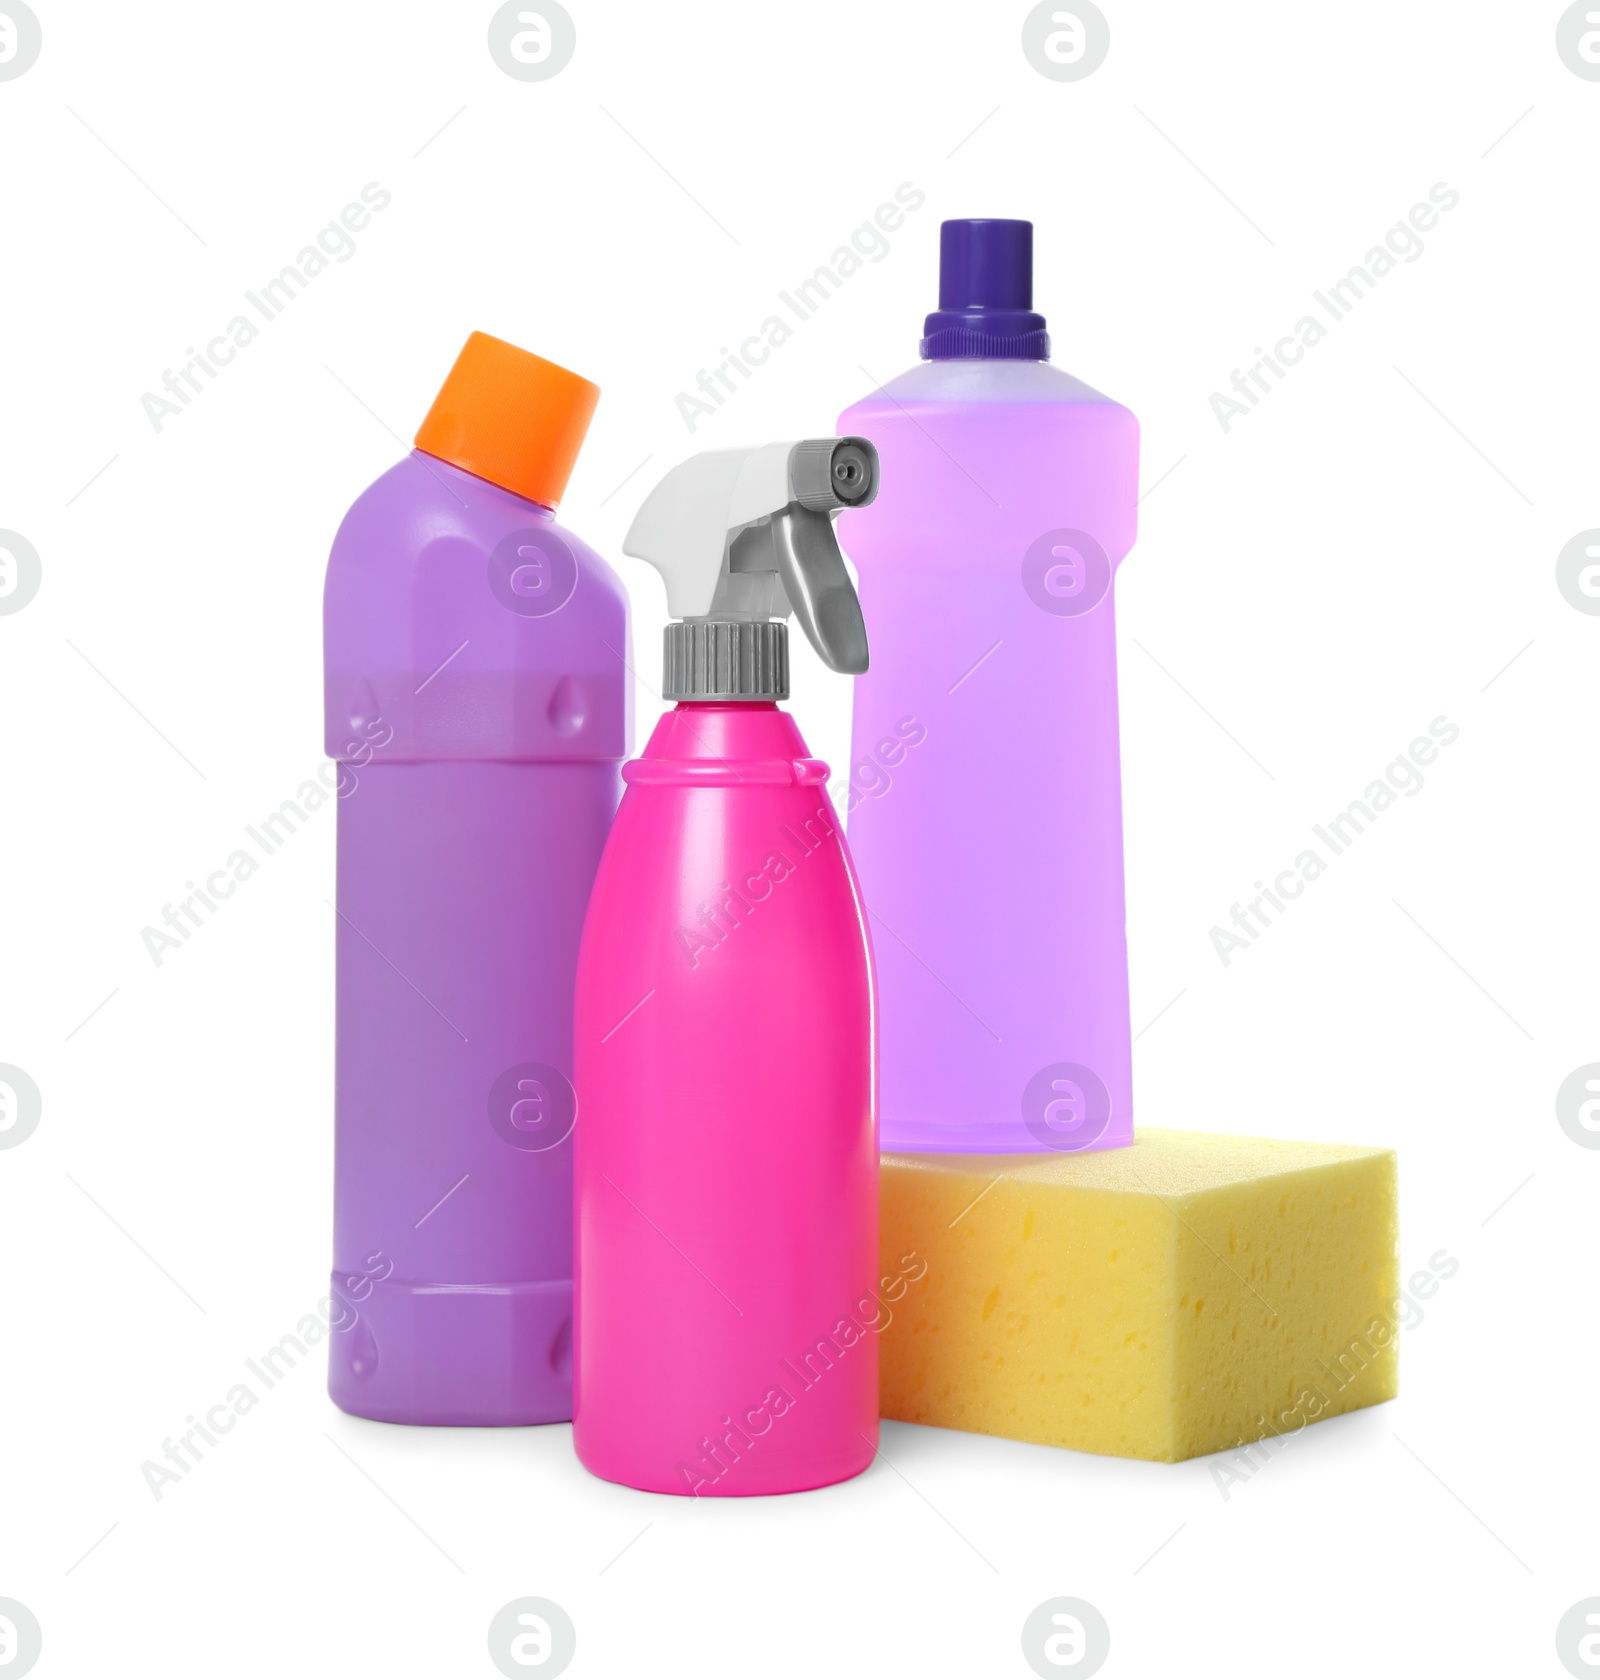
x=986 y=797
x=478 y=708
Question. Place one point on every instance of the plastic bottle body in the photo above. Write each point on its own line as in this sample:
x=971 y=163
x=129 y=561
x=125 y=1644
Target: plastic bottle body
x=990 y=851
x=476 y=699
x=726 y=1168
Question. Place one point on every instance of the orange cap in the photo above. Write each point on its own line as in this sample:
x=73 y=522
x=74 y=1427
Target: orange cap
x=511 y=417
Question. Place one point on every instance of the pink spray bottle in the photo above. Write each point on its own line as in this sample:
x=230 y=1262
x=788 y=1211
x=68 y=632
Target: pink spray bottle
x=726 y=1165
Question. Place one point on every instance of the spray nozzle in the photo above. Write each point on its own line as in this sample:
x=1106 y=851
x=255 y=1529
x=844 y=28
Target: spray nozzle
x=744 y=537
x=833 y=473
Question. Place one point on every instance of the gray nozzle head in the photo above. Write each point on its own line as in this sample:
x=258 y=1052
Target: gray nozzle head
x=743 y=538
x=832 y=473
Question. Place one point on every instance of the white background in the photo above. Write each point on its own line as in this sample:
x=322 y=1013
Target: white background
x=1364 y=552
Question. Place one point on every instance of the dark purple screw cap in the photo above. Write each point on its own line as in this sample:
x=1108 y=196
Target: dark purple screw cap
x=986 y=294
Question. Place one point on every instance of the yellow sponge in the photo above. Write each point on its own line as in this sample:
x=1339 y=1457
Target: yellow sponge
x=1182 y=1295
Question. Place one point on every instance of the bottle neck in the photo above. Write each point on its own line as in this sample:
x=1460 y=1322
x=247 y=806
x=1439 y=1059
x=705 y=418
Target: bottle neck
x=733 y=744
x=697 y=708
